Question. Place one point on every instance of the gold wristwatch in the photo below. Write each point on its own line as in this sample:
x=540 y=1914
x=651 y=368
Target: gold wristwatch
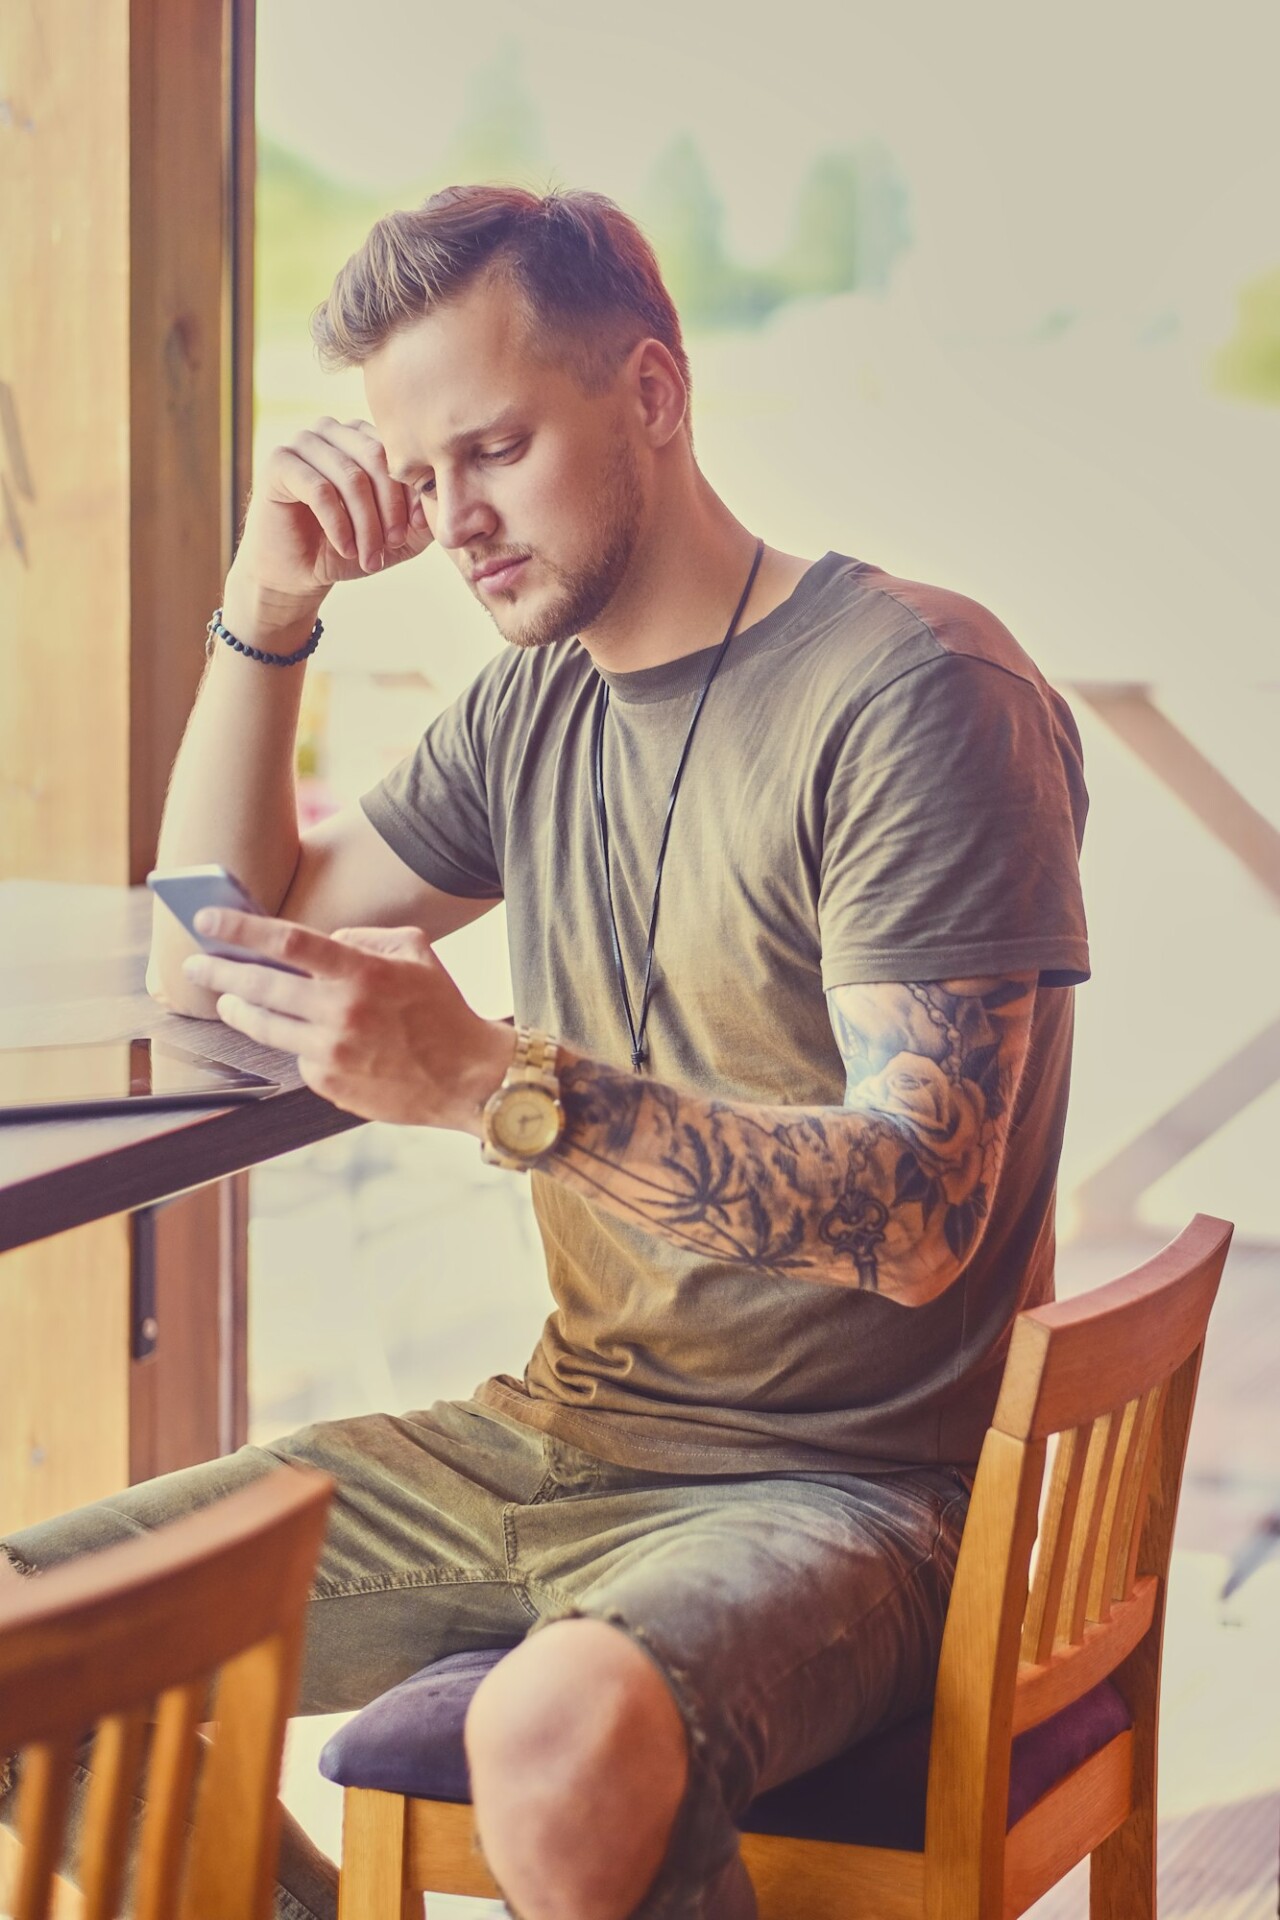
x=524 y=1118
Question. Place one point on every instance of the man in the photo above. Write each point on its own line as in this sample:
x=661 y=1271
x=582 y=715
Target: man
x=793 y=1137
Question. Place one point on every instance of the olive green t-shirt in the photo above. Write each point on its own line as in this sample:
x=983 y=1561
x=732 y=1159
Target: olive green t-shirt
x=882 y=787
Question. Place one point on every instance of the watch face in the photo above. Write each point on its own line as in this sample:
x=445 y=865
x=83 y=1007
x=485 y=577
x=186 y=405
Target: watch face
x=527 y=1121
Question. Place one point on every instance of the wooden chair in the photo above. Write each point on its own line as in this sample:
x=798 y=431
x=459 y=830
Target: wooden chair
x=1041 y=1745
x=138 y=1645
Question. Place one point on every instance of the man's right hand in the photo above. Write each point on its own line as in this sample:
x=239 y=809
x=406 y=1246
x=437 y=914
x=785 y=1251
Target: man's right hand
x=325 y=509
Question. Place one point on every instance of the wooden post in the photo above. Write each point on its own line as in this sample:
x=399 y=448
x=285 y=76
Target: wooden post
x=126 y=339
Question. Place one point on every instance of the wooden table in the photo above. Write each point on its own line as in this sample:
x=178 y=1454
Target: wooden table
x=122 y=1343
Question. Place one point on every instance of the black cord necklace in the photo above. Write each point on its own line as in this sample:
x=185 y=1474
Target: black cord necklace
x=637 y=1032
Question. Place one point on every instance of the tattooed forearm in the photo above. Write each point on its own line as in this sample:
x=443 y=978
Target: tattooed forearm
x=889 y=1192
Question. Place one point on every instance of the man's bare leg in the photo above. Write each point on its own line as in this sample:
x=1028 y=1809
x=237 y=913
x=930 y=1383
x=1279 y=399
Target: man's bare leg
x=579 y=1762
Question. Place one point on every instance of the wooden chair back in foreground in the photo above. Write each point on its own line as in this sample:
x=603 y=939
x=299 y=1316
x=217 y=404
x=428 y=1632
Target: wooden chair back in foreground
x=1040 y=1747
x=136 y=1646
x=1109 y=1378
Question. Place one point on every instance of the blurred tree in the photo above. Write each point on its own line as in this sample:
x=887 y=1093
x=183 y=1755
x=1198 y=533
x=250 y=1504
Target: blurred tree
x=1248 y=366
x=499 y=137
x=684 y=218
x=307 y=226
x=850 y=224
x=826 y=244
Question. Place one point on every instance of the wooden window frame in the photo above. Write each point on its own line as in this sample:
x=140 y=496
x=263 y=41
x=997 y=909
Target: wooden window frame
x=127 y=142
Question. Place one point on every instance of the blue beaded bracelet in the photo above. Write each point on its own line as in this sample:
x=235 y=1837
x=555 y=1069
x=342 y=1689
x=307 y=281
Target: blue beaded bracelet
x=217 y=631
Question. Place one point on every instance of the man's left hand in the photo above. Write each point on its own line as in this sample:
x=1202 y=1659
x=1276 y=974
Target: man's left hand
x=377 y=1025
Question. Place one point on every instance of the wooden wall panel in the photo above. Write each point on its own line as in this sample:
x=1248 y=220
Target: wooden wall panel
x=64 y=1372
x=126 y=302
x=64 y=366
x=126 y=309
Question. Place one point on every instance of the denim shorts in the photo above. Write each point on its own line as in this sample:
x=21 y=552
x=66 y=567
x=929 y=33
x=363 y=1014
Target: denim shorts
x=790 y=1614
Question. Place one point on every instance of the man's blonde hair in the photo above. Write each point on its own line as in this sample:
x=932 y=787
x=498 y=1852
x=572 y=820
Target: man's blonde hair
x=586 y=274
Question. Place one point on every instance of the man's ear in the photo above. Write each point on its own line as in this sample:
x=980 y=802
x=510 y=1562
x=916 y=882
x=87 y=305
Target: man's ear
x=659 y=391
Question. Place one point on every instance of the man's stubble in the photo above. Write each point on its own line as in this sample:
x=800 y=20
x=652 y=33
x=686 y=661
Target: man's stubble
x=585 y=591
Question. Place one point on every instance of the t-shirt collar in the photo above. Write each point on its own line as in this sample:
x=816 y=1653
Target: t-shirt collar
x=673 y=678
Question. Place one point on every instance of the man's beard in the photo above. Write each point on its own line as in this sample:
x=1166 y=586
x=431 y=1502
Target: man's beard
x=585 y=592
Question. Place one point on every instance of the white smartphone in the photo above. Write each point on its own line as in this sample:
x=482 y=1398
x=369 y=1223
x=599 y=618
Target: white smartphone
x=185 y=890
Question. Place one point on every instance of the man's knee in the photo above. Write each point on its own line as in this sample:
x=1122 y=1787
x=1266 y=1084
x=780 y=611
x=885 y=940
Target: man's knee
x=579 y=1703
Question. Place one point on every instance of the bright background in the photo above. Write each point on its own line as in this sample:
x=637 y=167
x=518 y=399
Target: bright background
x=988 y=296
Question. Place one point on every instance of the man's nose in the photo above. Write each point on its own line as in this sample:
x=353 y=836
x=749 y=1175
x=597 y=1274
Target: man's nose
x=462 y=514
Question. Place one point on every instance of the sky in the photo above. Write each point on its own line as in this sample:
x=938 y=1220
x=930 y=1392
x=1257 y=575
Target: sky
x=1114 y=159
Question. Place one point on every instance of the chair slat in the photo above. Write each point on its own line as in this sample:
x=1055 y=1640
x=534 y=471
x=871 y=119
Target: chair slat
x=237 y=1811
x=66 y=1903
x=1040 y=1625
x=1084 y=1545
x=168 y=1793
x=1098 y=1599
x=43 y=1798
x=104 y=1848
x=1134 y=1518
x=1128 y=1479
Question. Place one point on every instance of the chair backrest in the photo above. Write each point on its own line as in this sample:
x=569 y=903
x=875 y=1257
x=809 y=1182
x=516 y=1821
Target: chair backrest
x=1108 y=1378
x=136 y=1646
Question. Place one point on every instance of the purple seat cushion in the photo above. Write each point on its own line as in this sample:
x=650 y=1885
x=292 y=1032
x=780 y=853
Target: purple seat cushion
x=410 y=1741
x=873 y=1795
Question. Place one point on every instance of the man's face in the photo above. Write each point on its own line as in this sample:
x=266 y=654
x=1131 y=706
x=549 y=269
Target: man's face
x=512 y=461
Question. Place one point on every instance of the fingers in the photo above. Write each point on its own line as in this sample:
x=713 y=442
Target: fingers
x=363 y=511
x=302 y=480
x=291 y=994
x=268 y=1029
x=340 y=473
x=392 y=497
x=414 y=509
x=285 y=940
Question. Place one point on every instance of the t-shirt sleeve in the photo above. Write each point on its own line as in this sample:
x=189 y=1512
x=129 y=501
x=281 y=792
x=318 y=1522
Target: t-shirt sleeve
x=952 y=828
x=433 y=807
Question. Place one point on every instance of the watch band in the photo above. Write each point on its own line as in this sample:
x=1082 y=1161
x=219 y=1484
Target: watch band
x=534 y=1067
x=536 y=1056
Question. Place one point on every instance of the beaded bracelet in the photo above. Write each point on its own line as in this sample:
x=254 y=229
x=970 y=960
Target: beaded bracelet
x=216 y=631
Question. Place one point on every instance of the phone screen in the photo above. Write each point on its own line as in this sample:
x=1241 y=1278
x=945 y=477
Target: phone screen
x=185 y=890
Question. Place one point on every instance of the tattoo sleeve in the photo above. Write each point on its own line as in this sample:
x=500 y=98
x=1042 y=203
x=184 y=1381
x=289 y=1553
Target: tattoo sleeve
x=889 y=1192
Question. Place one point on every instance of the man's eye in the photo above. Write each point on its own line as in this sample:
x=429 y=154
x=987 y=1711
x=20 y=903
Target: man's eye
x=495 y=453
